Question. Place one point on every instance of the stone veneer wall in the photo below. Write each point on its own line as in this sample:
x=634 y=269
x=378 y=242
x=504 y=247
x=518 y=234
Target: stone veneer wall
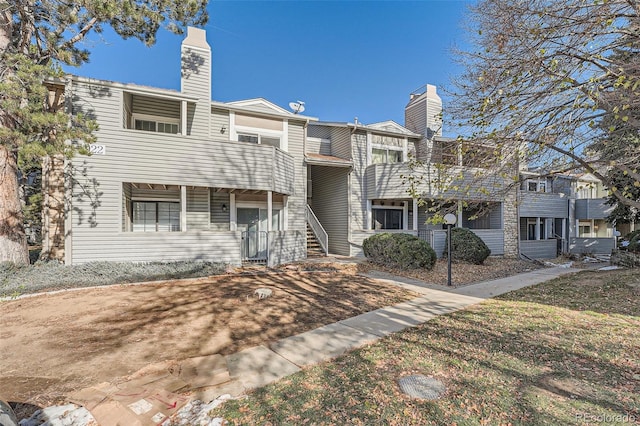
x=511 y=223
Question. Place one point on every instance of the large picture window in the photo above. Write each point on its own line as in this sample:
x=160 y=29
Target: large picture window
x=156 y=216
x=386 y=219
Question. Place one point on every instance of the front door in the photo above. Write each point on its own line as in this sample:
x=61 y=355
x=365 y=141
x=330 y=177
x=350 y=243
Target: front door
x=252 y=222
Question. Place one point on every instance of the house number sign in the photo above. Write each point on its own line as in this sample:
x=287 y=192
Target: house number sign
x=97 y=149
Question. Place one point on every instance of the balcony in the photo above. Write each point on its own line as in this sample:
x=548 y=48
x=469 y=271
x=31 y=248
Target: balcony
x=592 y=208
x=385 y=180
x=543 y=204
x=139 y=156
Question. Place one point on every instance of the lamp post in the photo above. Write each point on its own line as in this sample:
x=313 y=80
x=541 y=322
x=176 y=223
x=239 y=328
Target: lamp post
x=449 y=220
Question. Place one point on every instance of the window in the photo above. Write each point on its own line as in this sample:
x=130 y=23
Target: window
x=156 y=216
x=537 y=185
x=445 y=152
x=386 y=219
x=259 y=139
x=584 y=229
x=150 y=125
x=385 y=155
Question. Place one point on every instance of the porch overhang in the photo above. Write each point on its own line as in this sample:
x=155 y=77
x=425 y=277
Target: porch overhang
x=327 y=160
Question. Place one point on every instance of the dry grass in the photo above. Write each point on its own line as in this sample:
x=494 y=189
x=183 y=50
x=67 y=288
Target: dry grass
x=563 y=352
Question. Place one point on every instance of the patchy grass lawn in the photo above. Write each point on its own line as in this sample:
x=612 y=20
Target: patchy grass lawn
x=563 y=352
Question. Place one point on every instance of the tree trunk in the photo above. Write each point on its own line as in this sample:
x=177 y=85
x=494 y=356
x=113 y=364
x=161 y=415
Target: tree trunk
x=13 y=241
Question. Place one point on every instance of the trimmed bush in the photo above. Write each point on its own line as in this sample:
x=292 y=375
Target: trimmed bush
x=467 y=246
x=399 y=250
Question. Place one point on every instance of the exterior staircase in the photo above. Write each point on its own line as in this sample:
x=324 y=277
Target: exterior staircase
x=313 y=246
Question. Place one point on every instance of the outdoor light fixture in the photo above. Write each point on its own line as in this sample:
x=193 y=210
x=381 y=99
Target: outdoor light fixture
x=449 y=220
x=224 y=207
x=223 y=129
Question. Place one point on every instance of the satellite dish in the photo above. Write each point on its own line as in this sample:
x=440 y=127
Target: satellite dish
x=296 y=107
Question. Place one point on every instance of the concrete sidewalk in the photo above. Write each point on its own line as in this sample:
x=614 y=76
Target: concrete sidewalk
x=260 y=365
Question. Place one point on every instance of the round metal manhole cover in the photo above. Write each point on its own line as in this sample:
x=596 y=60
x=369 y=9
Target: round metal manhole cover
x=419 y=386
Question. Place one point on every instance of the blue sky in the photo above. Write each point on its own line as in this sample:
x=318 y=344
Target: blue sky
x=344 y=59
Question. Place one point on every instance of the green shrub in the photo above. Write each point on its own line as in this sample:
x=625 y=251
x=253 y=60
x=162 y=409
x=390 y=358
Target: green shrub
x=399 y=250
x=467 y=246
x=634 y=241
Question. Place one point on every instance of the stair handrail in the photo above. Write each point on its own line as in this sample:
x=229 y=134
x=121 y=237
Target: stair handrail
x=317 y=229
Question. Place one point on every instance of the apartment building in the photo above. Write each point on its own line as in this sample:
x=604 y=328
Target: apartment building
x=175 y=175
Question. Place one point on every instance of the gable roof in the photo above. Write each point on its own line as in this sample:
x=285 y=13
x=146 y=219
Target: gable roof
x=391 y=126
x=262 y=105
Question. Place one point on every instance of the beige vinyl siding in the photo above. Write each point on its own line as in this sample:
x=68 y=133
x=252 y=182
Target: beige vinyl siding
x=146 y=157
x=358 y=189
x=539 y=249
x=297 y=202
x=493 y=238
x=592 y=208
x=286 y=246
x=126 y=200
x=385 y=181
x=591 y=245
x=219 y=218
x=285 y=178
x=219 y=120
x=197 y=208
x=543 y=204
x=258 y=122
x=319 y=131
x=330 y=205
x=341 y=142
x=155 y=106
x=196 y=81
x=415 y=117
x=159 y=246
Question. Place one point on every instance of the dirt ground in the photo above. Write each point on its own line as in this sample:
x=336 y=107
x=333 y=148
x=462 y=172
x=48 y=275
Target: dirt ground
x=52 y=344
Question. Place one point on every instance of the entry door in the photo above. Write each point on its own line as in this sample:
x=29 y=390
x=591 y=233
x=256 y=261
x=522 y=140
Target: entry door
x=252 y=221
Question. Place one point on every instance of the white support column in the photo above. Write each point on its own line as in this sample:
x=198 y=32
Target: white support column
x=459 y=221
x=183 y=118
x=537 y=228
x=285 y=212
x=183 y=208
x=233 y=213
x=367 y=225
x=269 y=210
x=415 y=215
x=405 y=215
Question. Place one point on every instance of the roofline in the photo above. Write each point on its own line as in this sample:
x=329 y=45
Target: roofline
x=223 y=105
x=360 y=126
x=135 y=88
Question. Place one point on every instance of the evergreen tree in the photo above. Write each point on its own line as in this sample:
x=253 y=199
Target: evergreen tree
x=36 y=38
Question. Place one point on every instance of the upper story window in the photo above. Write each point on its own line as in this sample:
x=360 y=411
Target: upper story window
x=259 y=130
x=386 y=155
x=533 y=185
x=160 y=125
x=387 y=149
x=151 y=114
x=259 y=139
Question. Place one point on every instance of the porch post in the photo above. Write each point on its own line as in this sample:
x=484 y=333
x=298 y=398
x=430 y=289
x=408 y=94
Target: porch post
x=459 y=220
x=183 y=118
x=537 y=228
x=367 y=224
x=564 y=235
x=183 y=208
x=233 y=214
x=405 y=216
x=415 y=215
x=285 y=212
x=269 y=210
